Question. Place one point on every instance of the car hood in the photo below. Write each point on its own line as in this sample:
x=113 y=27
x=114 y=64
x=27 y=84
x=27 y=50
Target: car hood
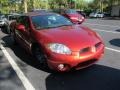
x=74 y=15
x=75 y=37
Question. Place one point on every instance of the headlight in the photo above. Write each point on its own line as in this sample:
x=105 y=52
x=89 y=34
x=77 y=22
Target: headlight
x=74 y=18
x=82 y=17
x=80 y=20
x=59 y=48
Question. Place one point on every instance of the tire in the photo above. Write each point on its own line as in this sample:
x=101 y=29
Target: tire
x=12 y=36
x=8 y=29
x=39 y=55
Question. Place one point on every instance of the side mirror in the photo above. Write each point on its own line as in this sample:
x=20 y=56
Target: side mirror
x=21 y=27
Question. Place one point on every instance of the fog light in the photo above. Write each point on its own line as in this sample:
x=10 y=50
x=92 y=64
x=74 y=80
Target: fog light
x=61 y=66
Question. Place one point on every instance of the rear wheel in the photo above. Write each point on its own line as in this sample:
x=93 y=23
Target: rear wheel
x=8 y=30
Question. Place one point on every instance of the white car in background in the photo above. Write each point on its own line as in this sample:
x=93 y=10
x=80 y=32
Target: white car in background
x=11 y=18
x=3 y=21
x=96 y=15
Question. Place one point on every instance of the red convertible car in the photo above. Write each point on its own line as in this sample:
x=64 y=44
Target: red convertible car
x=54 y=40
x=71 y=14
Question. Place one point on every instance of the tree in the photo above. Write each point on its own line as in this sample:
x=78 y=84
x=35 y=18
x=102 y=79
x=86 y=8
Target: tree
x=37 y=4
x=58 y=3
x=4 y=6
x=81 y=4
x=103 y=4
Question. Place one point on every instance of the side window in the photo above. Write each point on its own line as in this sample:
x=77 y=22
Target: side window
x=19 y=20
x=24 y=20
x=99 y=13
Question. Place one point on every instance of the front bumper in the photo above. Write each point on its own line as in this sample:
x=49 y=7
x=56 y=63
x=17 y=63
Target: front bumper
x=77 y=20
x=75 y=60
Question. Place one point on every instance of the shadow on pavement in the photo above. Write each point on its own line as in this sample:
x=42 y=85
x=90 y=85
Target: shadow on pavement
x=24 y=56
x=1 y=57
x=7 y=73
x=96 y=77
x=111 y=18
x=115 y=42
x=8 y=78
x=118 y=30
x=4 y=30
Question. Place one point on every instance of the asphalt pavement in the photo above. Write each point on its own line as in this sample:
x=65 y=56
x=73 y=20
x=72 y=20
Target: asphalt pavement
x=20 y=71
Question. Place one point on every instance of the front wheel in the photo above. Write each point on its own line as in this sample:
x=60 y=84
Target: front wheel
x=39 y=55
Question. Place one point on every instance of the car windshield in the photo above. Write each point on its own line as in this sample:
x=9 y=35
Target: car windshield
x=50 y=21
x=71 y=11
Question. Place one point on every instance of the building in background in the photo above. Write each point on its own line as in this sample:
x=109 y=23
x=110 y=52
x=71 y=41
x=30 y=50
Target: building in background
x=115 y=11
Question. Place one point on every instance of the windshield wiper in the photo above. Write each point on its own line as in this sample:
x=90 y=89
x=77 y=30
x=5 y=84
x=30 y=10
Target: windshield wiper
x=53 y=26
x=39 y=28
x=65 y=25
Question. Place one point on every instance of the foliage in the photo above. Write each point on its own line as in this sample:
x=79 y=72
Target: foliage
x=81 y=4
x=7 y=6
x=102 y=5
x=58 y=3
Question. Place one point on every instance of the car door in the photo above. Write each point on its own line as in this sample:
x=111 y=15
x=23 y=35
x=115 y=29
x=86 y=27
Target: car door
x=26 y=33
x=24 y=36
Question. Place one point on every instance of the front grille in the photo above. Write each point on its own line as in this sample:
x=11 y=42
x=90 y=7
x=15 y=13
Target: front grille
x=86 y=63
x=89 y=49
x=98 y=45
x=84 y=50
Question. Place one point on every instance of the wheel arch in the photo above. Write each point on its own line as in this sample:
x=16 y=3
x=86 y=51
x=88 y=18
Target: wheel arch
x=35 y=44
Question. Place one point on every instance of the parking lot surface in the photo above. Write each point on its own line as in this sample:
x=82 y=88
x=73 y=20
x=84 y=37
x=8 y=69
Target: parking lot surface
x=20 y=71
